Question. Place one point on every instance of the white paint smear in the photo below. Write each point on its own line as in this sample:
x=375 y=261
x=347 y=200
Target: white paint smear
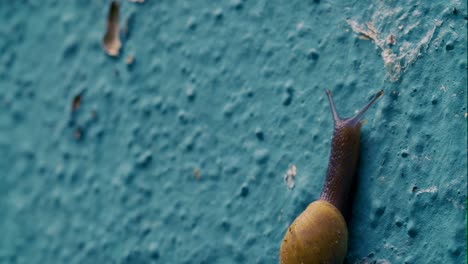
x=432 y=189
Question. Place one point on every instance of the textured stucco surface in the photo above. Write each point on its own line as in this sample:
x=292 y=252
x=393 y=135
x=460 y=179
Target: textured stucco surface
x=231 y=91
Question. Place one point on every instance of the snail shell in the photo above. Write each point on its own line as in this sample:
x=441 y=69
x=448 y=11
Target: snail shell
x=318 y=235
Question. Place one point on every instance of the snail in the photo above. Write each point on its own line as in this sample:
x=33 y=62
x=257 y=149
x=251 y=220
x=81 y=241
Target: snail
x=319 y=234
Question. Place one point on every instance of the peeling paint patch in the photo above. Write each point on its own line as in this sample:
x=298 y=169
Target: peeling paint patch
x=408 y=53
x=289 y=177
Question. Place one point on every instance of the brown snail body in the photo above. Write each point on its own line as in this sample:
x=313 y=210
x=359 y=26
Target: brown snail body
x=319 y=234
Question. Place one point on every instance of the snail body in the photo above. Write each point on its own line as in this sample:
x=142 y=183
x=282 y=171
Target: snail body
x=319 y=234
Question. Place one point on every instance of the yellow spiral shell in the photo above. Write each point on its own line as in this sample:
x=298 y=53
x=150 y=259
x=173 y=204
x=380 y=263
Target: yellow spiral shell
x=318 y=235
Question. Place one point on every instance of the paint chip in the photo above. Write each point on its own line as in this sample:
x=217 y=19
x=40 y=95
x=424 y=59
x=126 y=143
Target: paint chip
x=78 y=133
x=289 y=177
x=111 y=41
x=76 y=102
x=196 y=174
x=390 y=40
x=130 y=60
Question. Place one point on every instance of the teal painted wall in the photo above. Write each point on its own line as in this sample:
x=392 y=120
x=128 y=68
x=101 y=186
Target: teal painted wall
x=234 y=92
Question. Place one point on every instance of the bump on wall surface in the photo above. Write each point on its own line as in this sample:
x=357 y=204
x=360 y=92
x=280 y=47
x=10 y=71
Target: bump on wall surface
x=175 y=151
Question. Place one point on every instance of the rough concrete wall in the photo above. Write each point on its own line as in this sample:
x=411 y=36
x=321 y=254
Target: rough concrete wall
x=180 y=157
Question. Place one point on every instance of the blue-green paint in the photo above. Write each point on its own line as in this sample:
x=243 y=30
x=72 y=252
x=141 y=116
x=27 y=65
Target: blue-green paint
x=236 y=90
